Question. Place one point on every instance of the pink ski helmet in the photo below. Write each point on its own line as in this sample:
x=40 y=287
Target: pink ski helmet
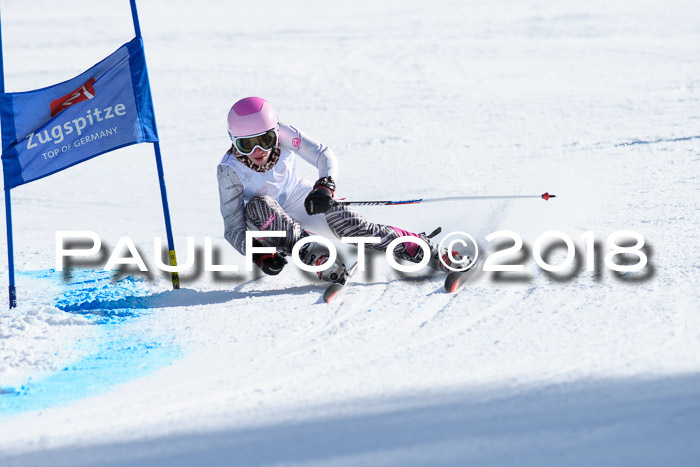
x=251 y=116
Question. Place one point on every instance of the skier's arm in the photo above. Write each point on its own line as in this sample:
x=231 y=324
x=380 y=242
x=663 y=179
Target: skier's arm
x=310 y=150
x=231 y=203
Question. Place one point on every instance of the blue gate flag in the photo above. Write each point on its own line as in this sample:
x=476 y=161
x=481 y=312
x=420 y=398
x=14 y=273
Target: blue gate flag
x=107 y=107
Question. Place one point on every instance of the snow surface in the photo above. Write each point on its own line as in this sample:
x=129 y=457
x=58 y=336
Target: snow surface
x=594 y=101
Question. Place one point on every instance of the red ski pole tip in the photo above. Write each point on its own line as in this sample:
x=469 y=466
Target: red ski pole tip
x=546 y=196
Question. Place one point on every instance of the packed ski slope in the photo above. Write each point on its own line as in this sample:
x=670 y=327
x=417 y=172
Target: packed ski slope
x=596 y=102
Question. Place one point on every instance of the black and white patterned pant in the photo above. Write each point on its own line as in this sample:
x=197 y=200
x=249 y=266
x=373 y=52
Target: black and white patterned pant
x=265 y=213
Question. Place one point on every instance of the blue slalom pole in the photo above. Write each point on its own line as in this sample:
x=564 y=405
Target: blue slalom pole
x=135 y=17
x=8 y=206
x=10 y=250
x=159 y=164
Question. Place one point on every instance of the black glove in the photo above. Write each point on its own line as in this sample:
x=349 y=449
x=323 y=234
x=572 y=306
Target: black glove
x=269 y=264
x=320 y=199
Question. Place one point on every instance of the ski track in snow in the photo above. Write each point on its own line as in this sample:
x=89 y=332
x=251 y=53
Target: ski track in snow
x=596 y=103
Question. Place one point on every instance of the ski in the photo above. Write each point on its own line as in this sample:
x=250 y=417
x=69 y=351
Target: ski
x=333 y=290
x=454 y=280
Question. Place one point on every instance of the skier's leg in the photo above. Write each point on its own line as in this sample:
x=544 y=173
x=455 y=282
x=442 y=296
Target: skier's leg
x=344 y=222
x=265 y=213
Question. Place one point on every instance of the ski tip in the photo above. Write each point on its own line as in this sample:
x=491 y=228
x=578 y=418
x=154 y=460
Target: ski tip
x=330 y=297
x=453 y=281
x=332 y=292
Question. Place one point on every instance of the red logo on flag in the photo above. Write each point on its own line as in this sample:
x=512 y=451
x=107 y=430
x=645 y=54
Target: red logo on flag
x=83 y=93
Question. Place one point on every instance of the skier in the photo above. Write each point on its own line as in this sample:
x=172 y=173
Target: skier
x=260 y=190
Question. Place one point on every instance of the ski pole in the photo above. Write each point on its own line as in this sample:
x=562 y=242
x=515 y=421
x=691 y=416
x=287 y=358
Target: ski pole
x=544 y=196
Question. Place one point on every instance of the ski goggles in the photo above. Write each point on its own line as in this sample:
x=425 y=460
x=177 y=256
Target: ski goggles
x=247 y=144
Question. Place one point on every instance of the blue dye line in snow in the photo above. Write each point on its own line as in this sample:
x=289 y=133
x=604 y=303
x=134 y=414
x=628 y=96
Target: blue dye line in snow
x=122 y=353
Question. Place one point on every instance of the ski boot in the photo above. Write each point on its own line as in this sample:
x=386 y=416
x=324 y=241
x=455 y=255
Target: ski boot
x=316 y=254
x=440 y=260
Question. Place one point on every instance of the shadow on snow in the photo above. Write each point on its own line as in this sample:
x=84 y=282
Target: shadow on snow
x=613 y=422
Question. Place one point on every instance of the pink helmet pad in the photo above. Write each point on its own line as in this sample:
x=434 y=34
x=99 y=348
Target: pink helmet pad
x=251 y=116
x=248 y=106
